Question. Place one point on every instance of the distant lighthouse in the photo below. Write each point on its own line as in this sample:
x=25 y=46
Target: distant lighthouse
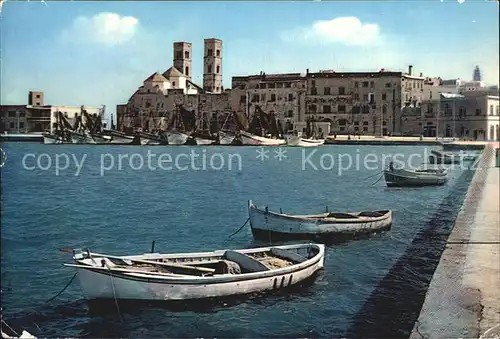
x=477 y=74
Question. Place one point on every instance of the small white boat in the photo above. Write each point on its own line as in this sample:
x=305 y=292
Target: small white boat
x=81 y=138
x=297 y=141
x=265 y=224
x=148 y=139
x=14 y=335
x=155 y=276
x=438 y=157
x=119 y=137
x=396 y=177
x=101 y=138
x=52 y=139
x=176 y=137
x=202 y=141
x=254 y=140
x=226 y=138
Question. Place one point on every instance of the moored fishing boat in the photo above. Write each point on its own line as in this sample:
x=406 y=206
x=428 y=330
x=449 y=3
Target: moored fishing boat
x=176 y=138
x=121 y=138
x=155 y=276
x=226 y=137
x=255 y=140
x=150 y=139
x=53 y=139
x=266 y=224
x=297 y=141
x=398 y=177
x=81 y=138
x=438 y=157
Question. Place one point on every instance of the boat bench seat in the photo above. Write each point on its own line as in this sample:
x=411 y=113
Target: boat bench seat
x=285 y=254
x=246 y=262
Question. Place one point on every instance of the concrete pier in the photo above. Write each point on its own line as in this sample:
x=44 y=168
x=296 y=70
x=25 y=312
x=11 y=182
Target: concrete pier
x=463 y=299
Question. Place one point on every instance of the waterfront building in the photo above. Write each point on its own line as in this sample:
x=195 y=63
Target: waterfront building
x=36 y=117
x=161 y=96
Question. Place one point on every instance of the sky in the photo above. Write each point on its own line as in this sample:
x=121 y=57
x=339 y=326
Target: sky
x=99 y=53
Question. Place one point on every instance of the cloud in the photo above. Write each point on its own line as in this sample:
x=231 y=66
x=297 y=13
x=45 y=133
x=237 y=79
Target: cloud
x=342 y=30
x=103 y=28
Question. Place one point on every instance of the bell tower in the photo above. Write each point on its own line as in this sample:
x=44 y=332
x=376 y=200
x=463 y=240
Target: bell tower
x=212 y=66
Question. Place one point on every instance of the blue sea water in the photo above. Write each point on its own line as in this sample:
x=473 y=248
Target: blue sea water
x=122 y=209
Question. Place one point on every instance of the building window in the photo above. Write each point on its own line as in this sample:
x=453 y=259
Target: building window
x=21 y=124
x=178 y=55
x=288 y=84
x=209 y=69
x=12 y=125
x=186 y=55
x=365 y=129
x=271 y=85
x=365 y=109
x=384 y=109
x=388 y=85
x=312 y=108
x=365 y=123
x=173 y=83
x=341 y=90
x=365 y=97
x=313 y=83
x=290 y=113
x=372 y=84
x=22 y=114
x=218 y=53
x=262 y=85
x=218 y=69
x=187 y=71
x=314 y=91
x=327 y=91
x=255 y=98
x=478 y=111
x=263 y=97
x=290 y=96
x=497 y=110
x=372 y=98
x=210 y=52
x=327 y=109
x=491 y=109
x=356 y=96
x=356 y=128
x=356 y=110
x=216 y=89
x=12 y=114
x=38 y=96
x=273 y=97
x=341 y=108
x=356 y=84
x=243 y=98
x=384 y=96
x=365 y=84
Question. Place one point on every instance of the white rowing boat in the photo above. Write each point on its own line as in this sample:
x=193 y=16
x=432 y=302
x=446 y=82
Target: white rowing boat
x=155 y=276
x=297 y=141
x=396 y=177
x=255 y=140
x=265 y=223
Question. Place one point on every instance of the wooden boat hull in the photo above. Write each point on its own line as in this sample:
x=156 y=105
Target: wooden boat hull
x=77 y=138
x=51 y=139
x=296 y=141
x=263 y=223
x=254 y=140
x=202 y=141
x=403 y=178
x=102 y=139
x=100 y=283
x=226 y=138
x=176 y=138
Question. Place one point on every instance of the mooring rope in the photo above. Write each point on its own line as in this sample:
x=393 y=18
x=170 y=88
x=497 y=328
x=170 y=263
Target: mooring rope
x=374 y=174
x=10 y=328
x=114 y=295
x=64 y=289
x=377 y=180
x=239 y=228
